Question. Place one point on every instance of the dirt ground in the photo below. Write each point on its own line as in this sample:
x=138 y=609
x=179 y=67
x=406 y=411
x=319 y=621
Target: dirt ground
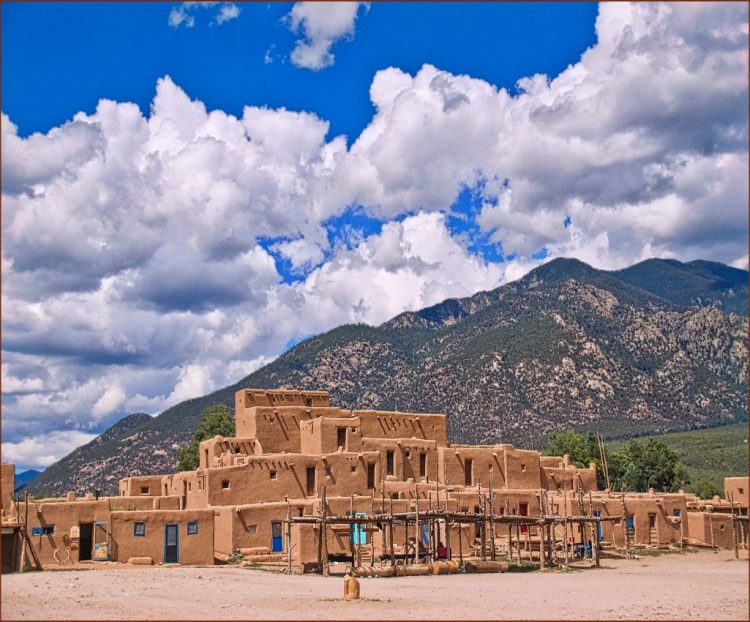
x=695 y=585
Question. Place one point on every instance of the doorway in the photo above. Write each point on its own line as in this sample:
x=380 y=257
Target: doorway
x=86 y=542
x=523 y=510
x=171 y=544
x=277 y=539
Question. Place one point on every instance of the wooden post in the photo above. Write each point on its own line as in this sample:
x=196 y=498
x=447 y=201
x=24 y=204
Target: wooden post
x=492 y=522
x=372 y=532
x=542 y=563
x=483 y=532
x=711 y=528
x=625 y=525
x=734 y=527
x=390 y=537
x=288 y=535
x=418 y=537
x=324 y=534
x=565 y=528
x=22 y=564
x=518 y=544
x=594 y=532
x=460 y=544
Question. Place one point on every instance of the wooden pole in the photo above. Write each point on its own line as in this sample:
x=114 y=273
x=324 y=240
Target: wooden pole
x=483 y=528
x=324 y=534
x=418 y=538
x=518 y=544
x=734 y=527
x=711 y=528
x=492 y=522
x=625 y=525
x=460 y=544
x=390 y=537
x=372 y=532
x=22 y=564
x=542 y=564
x=288 y=535
x=565 y=530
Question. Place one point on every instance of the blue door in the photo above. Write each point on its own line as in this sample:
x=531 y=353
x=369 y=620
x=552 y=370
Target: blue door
x=598 y=527
x=171 y=544
x=277 y=538
x=359 y=531
x=629 y=523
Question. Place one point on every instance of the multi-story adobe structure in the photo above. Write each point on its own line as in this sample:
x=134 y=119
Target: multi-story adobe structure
x=296 y=458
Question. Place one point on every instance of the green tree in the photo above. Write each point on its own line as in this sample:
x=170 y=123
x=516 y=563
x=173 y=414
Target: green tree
x=651 y=464
x=216 y=420
x=704 y=488
x=583 y=450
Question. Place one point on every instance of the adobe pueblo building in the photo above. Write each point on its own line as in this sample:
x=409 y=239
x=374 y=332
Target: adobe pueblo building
x=306 y=485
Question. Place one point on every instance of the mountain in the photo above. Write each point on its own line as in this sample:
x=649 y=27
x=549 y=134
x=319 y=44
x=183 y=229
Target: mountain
x=86 y=468
x=652 y=348
x=24 y=478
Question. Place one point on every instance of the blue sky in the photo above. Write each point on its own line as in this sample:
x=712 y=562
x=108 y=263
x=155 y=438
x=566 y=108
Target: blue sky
x=188 y=190
x=61 y=58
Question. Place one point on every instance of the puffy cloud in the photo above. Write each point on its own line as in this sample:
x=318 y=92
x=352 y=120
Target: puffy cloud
x=322 y=24
x=41 y=451
x=144 y=255
x=184 y=14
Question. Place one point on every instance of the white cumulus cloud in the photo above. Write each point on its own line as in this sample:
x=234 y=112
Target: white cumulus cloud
x=322 y=24
x=139 y=251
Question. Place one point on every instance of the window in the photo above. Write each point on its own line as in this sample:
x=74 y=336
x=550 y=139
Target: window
x=370 y=476
x=389 y=462
x=310 y=481
x=273 y=474
x=139 y=529
x=192 y=527
x=354 y=468
x=652 y=521
x=741 y=491
x=47 y=530
x=200 y=484
x=341 y=437
x=225 y=483
x=422 y=464
x=523 y=468
x=676 y=513
x=252 y=529
x=144 y=490
x=467 y=471
x=190 y=486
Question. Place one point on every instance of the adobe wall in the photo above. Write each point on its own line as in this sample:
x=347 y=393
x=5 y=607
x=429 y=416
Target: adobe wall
x=738 y=489
x=272 y=477
x=197 y=548
x=220 y=451
x=384 y=424
x=278 y=428
x=701 y=524
x=509 y=467
x=321 y=435
x=247 y=398
x=7 y=484
x=406 y=457
x=61 y=516
x=569 y=478
x=146 y=485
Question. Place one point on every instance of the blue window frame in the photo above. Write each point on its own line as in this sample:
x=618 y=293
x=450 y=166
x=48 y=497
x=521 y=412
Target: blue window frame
x=192 y=527
x=139 y=529
x=47 y=530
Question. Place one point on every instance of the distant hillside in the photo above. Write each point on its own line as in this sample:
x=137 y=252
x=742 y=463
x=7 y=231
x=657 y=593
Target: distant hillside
x=711 y=454
x=629 y=352
x=24 y=478
x=86 y=468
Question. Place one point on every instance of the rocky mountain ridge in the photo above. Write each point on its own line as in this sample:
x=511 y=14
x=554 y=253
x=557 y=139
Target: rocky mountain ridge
x=656 y=347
